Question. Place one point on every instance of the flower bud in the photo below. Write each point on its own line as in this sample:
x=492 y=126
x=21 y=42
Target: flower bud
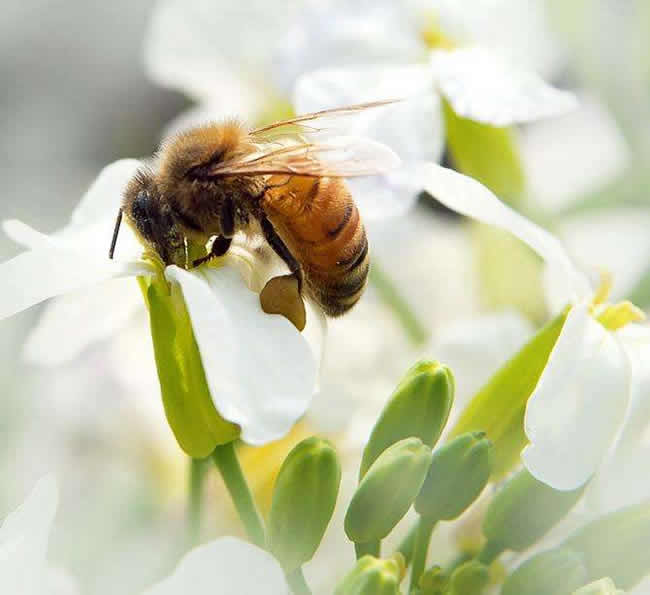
x=524 y=510
x=372 y=576
x=190 y=412
x=433 y=581
x=556 y=572
x=387 y=490
x=605 y=586
x=468 y=579
x=418 y=408
x=616 y=545
x=458 y=473
x=304 y=497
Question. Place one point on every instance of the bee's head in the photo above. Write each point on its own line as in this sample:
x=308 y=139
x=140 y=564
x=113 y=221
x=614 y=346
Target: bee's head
x=152 y=219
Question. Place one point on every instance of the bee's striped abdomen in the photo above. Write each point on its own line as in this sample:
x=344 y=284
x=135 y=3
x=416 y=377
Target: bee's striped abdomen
x=319 y=222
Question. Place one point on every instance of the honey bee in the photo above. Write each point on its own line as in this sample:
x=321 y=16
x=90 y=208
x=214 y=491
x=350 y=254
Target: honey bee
x=215 y=180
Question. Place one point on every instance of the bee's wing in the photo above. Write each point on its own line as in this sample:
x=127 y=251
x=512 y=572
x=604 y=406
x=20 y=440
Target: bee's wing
x=342 y=157
x=315 y=122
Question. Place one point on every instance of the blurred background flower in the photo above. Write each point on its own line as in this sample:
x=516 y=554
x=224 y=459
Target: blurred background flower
x=88 y=83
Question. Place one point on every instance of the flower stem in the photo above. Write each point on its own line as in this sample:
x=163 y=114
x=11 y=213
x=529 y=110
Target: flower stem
x=421 y=547
x=370 y=547
x=406 y=546
x=197 y=473
x=490 y=552
x=297 y=582
x=392 y=298
x=227 y=462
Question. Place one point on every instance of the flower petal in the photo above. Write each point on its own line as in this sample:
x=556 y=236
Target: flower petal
x=469 y=197
x=104 y=196
x=225 y=565
x=623 y=480
x=578 y=404
x=342 y=33
x=36 y=275
x=260 y=370
x=412 y=128
x=483 y=87
x=213 y=53
x=97 y=314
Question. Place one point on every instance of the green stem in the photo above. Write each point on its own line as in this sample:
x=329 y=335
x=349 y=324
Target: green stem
x=422 y=538
x=297 y=582
x=370 y=547
x=490 y=552
x=227 y=462
x=197 y=473
x=406 y=546
x=391 y=297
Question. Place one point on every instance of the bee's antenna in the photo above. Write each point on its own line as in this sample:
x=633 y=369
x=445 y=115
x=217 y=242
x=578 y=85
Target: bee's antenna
x=115 y=232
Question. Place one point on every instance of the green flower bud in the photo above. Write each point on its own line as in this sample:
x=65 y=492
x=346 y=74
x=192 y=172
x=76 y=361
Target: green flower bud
x=616 y=545
x=433 y=581
x=524 y=510
x=605 y=586
x=387 y=490
x=556 y=572
x=190 y=412
x=304 y=497
x=468 y=579
x=418 y=408
x=372 y=576
x=458 y=473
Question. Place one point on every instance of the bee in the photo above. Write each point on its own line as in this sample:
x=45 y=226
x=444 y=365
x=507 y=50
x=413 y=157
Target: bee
x=216 y=180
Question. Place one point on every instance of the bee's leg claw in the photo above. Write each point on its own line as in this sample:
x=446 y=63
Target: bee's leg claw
x=281 y=295
x=219 y=247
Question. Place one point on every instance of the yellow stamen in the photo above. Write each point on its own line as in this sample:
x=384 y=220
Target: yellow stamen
x=433 y=36
x=618 y=315
x=604 y=289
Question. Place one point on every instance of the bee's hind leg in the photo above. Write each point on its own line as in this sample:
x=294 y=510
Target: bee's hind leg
x=219 y=247
x=282 y=294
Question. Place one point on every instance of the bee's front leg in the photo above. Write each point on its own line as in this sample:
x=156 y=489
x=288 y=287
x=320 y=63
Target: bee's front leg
x=219 y=247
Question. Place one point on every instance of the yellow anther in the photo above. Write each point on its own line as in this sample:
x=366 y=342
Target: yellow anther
x=604 y=289
x=433 y=36
x=617 y=316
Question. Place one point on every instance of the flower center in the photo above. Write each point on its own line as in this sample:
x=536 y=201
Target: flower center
x=613 y=316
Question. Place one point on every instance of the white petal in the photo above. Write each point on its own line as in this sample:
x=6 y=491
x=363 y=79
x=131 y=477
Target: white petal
x=83 y=318
x=578 y=405
x=260 y=370
x=469 y=197
x=36 y=275
x=623 y=480
x=225 y=565
x=568 y=157
x=412 y=128
x=23 y=541
x=214 y=53
x=343 y=33
x=481 y=86
x=104 y=196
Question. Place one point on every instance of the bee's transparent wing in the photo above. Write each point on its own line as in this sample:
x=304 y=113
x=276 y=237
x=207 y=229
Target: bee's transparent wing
x=326 y=121
x=342 y=157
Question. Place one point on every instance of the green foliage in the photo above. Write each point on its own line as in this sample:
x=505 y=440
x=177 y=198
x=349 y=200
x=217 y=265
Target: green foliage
x=372 y=576
x=304 y=497
x=458 y=473
x=487 y=153
x=418 y=408
x=433 y=581
x=498 y=408
x=616 y=545
x=387 y=490
x=524 y=510
x=191 y=414
x=556 y=572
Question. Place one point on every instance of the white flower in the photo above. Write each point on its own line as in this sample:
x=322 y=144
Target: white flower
x=225 y=565
x=323 y=55
x=575 y=415
x=260 y=370
x=23 y=546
